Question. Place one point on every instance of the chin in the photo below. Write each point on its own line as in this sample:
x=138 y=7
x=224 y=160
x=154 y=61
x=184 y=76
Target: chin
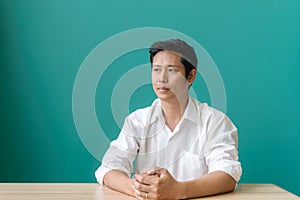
x=165 y=97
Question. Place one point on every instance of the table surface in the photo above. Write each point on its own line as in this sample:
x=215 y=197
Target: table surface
x=34 y=191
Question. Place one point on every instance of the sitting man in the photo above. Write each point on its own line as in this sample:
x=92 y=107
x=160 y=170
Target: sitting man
x=179 y=148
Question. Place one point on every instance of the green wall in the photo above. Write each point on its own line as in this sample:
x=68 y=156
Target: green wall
x=255 y=45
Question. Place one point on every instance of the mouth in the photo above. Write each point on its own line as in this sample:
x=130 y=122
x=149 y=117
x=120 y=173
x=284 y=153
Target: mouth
x=163 y=89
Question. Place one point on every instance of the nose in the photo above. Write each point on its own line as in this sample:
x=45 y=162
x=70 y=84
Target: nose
x=163 y=77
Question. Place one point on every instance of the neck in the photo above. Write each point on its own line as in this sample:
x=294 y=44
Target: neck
x=173 y=111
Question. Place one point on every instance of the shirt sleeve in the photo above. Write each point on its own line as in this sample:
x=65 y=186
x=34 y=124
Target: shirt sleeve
x=121 y=153
x=221 y=147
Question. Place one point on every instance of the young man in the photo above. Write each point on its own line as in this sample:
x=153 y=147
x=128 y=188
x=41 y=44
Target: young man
x=182 y=148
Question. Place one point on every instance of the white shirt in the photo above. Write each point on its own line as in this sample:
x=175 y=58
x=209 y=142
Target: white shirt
x=204 y=141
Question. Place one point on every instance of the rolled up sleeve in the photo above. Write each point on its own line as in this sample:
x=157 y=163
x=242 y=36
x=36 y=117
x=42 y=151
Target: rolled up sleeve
x=120 y=154
x=100 y=172
x=221 y=148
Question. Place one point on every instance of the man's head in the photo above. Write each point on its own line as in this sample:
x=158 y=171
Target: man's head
x=185 y=51
x=173 y=69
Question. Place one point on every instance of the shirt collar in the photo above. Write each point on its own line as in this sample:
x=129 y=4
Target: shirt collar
x=190 y=112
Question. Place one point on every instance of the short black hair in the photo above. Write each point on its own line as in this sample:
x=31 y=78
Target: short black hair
x=186 y=52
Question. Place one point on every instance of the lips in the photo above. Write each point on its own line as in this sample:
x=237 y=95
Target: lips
x=163 y=89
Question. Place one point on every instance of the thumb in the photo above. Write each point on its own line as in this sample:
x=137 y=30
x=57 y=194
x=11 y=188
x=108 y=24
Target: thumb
x=161 y=171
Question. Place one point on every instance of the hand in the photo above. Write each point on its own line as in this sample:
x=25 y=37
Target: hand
x=156 y=184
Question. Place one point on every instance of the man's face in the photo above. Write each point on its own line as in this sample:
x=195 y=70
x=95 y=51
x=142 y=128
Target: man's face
x=168 y=76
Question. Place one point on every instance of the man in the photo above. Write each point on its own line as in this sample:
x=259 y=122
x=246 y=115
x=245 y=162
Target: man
x=180 y=148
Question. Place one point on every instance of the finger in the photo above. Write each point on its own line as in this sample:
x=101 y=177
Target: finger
x=141 y=187
x=149 y=171
x=137 y=197
x=145 y=179
x=145 y=170
x=140 y=195
x=160 y=171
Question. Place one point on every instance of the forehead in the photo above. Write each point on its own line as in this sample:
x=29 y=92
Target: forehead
x=167 y=57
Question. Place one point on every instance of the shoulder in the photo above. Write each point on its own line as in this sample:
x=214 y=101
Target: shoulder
x=210 y=115
x=143 y=116
x=205 y=110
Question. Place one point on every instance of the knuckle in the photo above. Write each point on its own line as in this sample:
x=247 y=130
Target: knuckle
x=139 y=186
x=139 y=193
x=142 y=179
x=155 y=190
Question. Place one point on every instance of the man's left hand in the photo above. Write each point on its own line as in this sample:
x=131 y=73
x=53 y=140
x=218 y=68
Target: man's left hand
x=156 y=184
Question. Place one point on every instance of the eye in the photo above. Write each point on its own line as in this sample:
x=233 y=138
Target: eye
x=172 y=70
x=155 y=69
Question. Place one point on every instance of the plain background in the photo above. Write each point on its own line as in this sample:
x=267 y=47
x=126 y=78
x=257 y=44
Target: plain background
x=255 y=44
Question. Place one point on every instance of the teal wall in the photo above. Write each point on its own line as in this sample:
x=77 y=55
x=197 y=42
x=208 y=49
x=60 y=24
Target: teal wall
x=255 y=44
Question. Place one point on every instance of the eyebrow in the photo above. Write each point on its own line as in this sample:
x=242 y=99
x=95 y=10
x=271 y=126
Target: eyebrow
x=167 y=65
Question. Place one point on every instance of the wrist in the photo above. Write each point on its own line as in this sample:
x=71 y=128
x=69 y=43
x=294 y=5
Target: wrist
x=181 y=190
x=129 y=188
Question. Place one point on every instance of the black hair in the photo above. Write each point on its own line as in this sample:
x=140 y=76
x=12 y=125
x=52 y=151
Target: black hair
x=186 y=52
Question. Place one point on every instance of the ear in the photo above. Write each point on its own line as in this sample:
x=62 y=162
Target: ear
x=192 y=76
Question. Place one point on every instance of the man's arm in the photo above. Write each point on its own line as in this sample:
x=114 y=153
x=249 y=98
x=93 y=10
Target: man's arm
x=210 y=184
x=119 y=181
x=163 y=186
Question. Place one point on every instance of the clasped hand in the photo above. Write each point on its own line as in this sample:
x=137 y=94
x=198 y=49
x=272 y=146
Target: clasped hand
x=156 y=184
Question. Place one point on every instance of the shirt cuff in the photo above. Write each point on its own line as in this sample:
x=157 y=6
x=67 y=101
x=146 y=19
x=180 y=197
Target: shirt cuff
x=100 y=173
x=234 y=170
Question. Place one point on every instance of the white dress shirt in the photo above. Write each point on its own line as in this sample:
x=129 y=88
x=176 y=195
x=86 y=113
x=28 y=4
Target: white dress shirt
x=204 y=141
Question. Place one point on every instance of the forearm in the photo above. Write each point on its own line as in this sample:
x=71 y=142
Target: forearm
x=119 y=181
x=210 y=184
